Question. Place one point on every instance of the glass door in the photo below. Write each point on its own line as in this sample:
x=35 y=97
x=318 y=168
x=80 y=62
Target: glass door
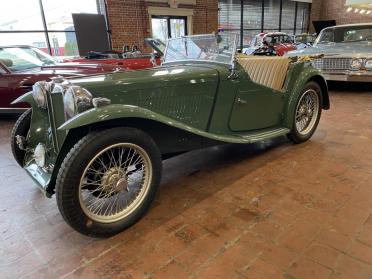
x=164 y=27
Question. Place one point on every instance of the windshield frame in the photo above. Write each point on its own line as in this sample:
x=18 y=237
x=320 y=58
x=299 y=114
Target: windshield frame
x=334 y=28
x=230 y=63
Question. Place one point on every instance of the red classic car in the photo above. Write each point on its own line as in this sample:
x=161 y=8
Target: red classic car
x=22 y=66
x=274 y=43
x=128 y=59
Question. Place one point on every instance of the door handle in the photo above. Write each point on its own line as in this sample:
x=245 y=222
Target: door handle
x=241 y=101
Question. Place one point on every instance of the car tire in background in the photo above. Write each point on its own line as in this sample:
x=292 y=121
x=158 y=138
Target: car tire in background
x=307 y=113
x=21 y=128
x=108 y=180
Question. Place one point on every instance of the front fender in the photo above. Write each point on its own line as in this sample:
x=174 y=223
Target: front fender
x=117 y=111
x=25 y=98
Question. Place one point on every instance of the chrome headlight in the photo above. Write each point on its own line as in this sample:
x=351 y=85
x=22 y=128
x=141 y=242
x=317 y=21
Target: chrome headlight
x=368 y=64
x=356 y=64
x=39 y=91
x=76 y=100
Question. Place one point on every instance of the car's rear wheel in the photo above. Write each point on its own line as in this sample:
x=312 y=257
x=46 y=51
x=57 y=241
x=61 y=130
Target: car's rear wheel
x=19 y=133
x=307 y=113
x=108 y=180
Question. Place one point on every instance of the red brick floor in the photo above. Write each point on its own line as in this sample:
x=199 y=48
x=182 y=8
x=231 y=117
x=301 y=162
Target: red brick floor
x=269 y=210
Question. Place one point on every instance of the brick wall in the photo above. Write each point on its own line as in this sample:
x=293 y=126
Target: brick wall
x=129 y=20
x=335 y=9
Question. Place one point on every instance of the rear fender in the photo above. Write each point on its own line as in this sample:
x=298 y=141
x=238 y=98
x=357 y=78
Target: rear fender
x=297 y=82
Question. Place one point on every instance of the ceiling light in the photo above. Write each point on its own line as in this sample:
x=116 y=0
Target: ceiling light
x=349 y=9
x=368 y=12
x=362 y=11
x=356 y=10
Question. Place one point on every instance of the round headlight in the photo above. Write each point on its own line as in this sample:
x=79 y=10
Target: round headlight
x=39 y=90
x=39 y=155
x=368 y=64
x=76 y=100
x=356 y=64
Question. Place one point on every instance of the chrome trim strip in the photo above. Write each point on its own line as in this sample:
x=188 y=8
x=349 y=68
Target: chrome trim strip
x=13 y=110
x=50 y=110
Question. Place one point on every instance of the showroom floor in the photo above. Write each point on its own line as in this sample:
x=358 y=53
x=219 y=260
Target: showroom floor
x=269 y=210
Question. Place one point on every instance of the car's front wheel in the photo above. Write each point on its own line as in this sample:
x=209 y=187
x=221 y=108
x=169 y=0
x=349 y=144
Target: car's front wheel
x=307 y=113
x=19 y=134
x=108 y=180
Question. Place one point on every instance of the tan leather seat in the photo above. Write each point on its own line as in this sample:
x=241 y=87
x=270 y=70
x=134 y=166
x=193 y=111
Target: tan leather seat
x=268 y=71
x=7 y=62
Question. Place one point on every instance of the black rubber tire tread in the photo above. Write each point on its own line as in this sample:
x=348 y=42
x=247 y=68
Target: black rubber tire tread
x=67 y=186
x=21 y=128
x=294 y=136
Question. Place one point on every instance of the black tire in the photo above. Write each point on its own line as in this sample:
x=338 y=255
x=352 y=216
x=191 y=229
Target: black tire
x=76 y=162
x=21 y=128
x=295 y=135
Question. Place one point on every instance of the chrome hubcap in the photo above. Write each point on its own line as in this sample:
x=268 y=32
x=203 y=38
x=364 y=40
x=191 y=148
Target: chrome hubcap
x=115 y=182
x=307 y=112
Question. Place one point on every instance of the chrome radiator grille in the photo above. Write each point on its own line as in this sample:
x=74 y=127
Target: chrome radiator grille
x=332 y=64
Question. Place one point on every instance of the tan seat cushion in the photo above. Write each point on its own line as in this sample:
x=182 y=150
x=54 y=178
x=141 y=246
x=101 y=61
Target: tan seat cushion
x=6 y=62
x=268 y=71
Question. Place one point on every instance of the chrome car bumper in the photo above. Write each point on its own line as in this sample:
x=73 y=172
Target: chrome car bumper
x=349 y=76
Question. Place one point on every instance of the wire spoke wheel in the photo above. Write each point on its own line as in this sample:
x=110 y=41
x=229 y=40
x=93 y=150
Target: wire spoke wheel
x=115 y=182
x=307 y=111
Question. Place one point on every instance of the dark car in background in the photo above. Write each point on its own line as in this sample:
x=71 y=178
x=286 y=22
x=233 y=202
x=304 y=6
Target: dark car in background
x=22 y=66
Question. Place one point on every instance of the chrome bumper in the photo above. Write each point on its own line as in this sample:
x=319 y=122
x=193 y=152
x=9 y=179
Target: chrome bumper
x=40 y=177
x=349 y=76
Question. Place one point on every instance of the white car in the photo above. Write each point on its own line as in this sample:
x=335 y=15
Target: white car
x=347 y=51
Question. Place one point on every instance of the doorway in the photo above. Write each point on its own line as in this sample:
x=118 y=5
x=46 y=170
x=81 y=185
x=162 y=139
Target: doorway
x=165 y=27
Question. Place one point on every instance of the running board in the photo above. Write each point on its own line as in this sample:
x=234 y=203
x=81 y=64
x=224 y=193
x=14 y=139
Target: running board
x=251 y=137
x=264 y=135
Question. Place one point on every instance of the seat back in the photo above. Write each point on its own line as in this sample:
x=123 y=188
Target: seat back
x=7 y=62
x=268 y=71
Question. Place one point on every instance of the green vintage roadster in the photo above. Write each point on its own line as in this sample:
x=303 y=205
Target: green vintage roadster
x=98 y=142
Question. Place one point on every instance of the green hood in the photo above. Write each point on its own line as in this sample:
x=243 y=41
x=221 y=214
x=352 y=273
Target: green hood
x=148 y=79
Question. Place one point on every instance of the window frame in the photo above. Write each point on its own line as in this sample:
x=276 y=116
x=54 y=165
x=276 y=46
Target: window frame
x=46 y=31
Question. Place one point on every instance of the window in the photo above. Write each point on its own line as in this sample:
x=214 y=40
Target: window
x=24 y=26
x=164 y=27
x=288 y=16
x=271 y=14
x=20 y=15
x=302 y=21
x=230 y=15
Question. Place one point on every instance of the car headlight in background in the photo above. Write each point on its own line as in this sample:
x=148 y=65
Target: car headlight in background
x=76 y=100
x=356 y=64
x=368 y=64
x=39 y=90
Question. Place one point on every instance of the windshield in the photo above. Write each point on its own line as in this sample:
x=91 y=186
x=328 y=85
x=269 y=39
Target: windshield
x=204 y=48
x=304 y=39
x=23 y=58
x=345 y=34
x=272 y=39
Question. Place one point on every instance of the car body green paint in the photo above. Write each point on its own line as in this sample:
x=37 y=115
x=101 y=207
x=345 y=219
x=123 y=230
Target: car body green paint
x=198 y=99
